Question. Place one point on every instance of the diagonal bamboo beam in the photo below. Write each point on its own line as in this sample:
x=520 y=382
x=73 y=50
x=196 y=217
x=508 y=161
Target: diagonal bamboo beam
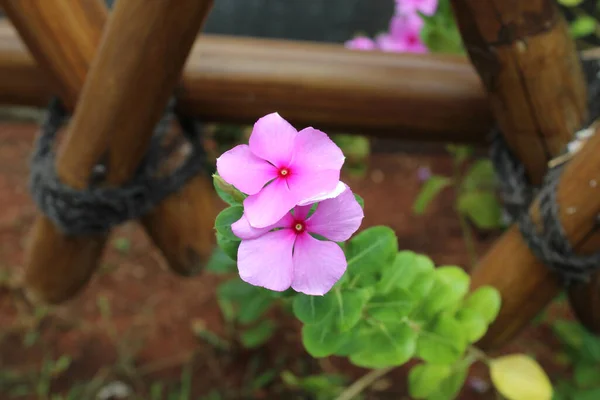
x=233 y=79
x=528 y=64
x=125 y=94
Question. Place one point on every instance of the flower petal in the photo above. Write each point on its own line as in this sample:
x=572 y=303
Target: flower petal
x=267 y=260
x=339 y=189
x=270 y=204
x=306 y=184
x=338 y=218
x=273 y=140
x=314 y=150
x=242 y=169
x=318 y=265
x=242 y=228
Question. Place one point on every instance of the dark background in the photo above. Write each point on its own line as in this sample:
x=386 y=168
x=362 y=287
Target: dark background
x=314 y=20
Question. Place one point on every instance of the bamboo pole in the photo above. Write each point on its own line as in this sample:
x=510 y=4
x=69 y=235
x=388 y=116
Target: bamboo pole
x=124 y=96
x=527 y=62
x=235 y=79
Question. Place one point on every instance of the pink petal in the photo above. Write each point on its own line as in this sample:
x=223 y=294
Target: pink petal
x=273 y=140
x=318 y=265
x=306 y=184
x=341 y=186
x=401 y=25
x=314 y=149
x=387 y=43
x=338 y=218
x=242 y=228
x=360 y=43
x=267 y=260
x=301 y=212
x=242 y=169
x=427 y=7
x=270 y=204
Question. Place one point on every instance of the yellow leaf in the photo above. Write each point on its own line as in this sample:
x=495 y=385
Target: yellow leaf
x=519 y=377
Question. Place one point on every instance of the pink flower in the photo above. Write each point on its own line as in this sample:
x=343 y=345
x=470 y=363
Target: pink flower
x=408 y=7
x=360 y=43
x=294 y=166
x=404 y=35
x=285 y=254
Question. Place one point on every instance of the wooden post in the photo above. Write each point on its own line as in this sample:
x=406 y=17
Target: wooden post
x=530 y=69
x=124 y=96
x=428 y=97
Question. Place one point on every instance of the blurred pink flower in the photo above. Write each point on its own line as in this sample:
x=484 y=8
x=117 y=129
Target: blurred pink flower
x=281 y=168
x=408 y=7
x=404 y=35
x=360 y=43
x=285 y=254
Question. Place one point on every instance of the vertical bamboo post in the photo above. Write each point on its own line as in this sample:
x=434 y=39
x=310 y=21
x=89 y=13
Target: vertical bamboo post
x=529 y=66
x=140 y=59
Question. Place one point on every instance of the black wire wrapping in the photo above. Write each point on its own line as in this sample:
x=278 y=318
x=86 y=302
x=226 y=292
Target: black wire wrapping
x=549 y=244
x=97 y=209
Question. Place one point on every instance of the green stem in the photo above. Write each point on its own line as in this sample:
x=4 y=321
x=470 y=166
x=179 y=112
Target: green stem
x=469 y=240
x=363 y=383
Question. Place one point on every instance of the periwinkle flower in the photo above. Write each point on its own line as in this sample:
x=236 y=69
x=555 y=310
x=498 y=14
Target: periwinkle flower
x=286 y=254
x=281 y=168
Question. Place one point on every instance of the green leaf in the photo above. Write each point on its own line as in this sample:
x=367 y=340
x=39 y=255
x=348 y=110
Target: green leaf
x=482 y=208
x=313 y=309
x=385 y=346
x=442 y=341
x=257 y=335
x=473 y=324
x=321 y=340
x=224 y=220
x=459 y=153
x=587 y=374
x=229 y=247
x=220 y=263
x=570 y=333
x=392 y=306
x=449 y=287
x=583 y=25
x=236 y=289
x=424 y=379
x=451 y=385
x=486 y=302
x=430 y=189
x=586 y=394
x=480 y=175
x=570 y=3
x=520 y=377
x=409 y=271
x=351 y=342
x=349 y=305
x=360 y=200
x=371 y=250
x=254 y=307
x=227 y=192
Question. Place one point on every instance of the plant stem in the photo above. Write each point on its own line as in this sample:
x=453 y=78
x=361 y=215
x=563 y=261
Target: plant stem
x=364 y=382
x=468 y=237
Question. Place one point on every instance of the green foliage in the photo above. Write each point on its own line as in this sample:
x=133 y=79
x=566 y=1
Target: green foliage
x=431 y=188
x=440 y=32
x=227 y=192
x=394 y=306
x=357 y=150
x=583 y=350
x=323 y=386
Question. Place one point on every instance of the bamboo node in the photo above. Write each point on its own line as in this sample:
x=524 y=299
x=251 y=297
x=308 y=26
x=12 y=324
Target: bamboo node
x=98 y=208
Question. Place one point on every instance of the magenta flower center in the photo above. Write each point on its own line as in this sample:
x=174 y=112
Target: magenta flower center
x=412 y=39
x=284 y=172
x=299 y=226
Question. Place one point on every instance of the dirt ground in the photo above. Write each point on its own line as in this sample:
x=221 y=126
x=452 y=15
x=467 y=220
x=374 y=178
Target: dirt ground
x=152 y=311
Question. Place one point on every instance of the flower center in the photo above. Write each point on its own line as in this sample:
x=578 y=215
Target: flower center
x=284 y=172
x=299 y=226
